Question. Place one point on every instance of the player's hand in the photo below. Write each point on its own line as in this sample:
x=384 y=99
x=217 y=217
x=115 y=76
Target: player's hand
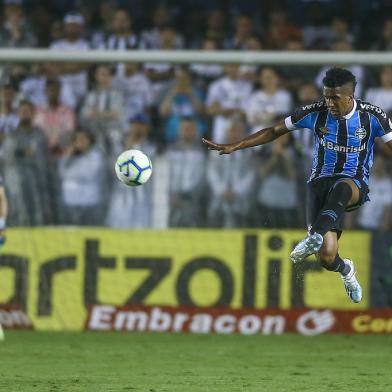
x=222 y=148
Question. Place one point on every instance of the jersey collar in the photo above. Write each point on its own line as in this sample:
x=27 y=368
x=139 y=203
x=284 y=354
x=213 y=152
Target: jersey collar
x=349 y=115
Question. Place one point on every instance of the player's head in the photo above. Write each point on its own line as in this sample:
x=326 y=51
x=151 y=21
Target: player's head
x=339 y=87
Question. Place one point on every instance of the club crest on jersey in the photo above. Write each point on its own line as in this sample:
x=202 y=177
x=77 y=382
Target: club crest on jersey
x=324 y=130
x=360 y=133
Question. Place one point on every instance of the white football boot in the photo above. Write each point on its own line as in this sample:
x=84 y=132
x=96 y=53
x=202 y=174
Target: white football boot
x=351 y=284
x=308 y=246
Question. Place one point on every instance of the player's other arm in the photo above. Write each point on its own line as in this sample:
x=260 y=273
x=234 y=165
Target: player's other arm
x=259 y=138
x=302 y=118
x=382 y=126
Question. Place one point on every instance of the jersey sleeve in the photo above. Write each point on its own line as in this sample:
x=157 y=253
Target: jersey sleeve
x=382 y=126
x=304 y=116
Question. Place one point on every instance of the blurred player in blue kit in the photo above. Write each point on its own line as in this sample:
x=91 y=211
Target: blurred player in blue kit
x=345 y=130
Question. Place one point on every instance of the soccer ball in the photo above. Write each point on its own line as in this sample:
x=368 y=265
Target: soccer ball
x=133 y=167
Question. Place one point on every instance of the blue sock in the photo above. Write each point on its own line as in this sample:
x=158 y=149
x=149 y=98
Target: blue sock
x=338 y=265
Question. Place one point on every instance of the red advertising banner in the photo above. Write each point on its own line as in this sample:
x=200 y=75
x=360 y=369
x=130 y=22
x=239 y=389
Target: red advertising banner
x=244 y=321
x=14 y=318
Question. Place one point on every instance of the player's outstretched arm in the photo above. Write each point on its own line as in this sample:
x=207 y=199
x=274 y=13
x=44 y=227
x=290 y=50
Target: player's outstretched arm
x=263 y=136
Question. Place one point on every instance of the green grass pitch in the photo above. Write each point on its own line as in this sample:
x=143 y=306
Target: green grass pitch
x=103 y=362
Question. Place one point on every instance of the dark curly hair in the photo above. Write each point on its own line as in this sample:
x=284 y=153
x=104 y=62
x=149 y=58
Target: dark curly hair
x=338 y=77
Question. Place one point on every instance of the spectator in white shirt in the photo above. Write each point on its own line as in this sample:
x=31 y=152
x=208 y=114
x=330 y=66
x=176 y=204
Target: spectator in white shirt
x=250 y=72
x=15 y=31
x=74 y=75
x=160 y=18
x=382 y=96
x=161 y=74
x=133 y=208
x=277 y=196
x=376 y=214
x=122 y=38
x=231 y=182
x=264 y=106
x=28 y=174
x=136 y=89
x=304 y=138
x=106 y=10
x=207 y=72
x=227 y=97
x=8 y=117
x=102 y=111
x=82 y=176
x=186 y=161
x=33 y=86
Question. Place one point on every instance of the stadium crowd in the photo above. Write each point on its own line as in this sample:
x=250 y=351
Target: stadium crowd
x=62 y=125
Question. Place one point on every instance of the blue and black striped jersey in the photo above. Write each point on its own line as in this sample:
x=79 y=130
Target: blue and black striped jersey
x=343 y=146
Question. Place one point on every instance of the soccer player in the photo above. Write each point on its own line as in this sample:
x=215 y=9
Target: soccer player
x=344 y=129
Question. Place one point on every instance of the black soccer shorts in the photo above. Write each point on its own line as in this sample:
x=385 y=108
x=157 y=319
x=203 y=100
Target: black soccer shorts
x=317 y=196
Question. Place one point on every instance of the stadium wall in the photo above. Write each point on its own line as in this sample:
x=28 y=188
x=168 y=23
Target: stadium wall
x=56 y=275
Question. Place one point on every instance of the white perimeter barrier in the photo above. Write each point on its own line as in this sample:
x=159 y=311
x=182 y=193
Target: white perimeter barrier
x=198 y=56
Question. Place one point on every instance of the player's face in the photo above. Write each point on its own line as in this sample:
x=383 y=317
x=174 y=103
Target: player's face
x=339 y=100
